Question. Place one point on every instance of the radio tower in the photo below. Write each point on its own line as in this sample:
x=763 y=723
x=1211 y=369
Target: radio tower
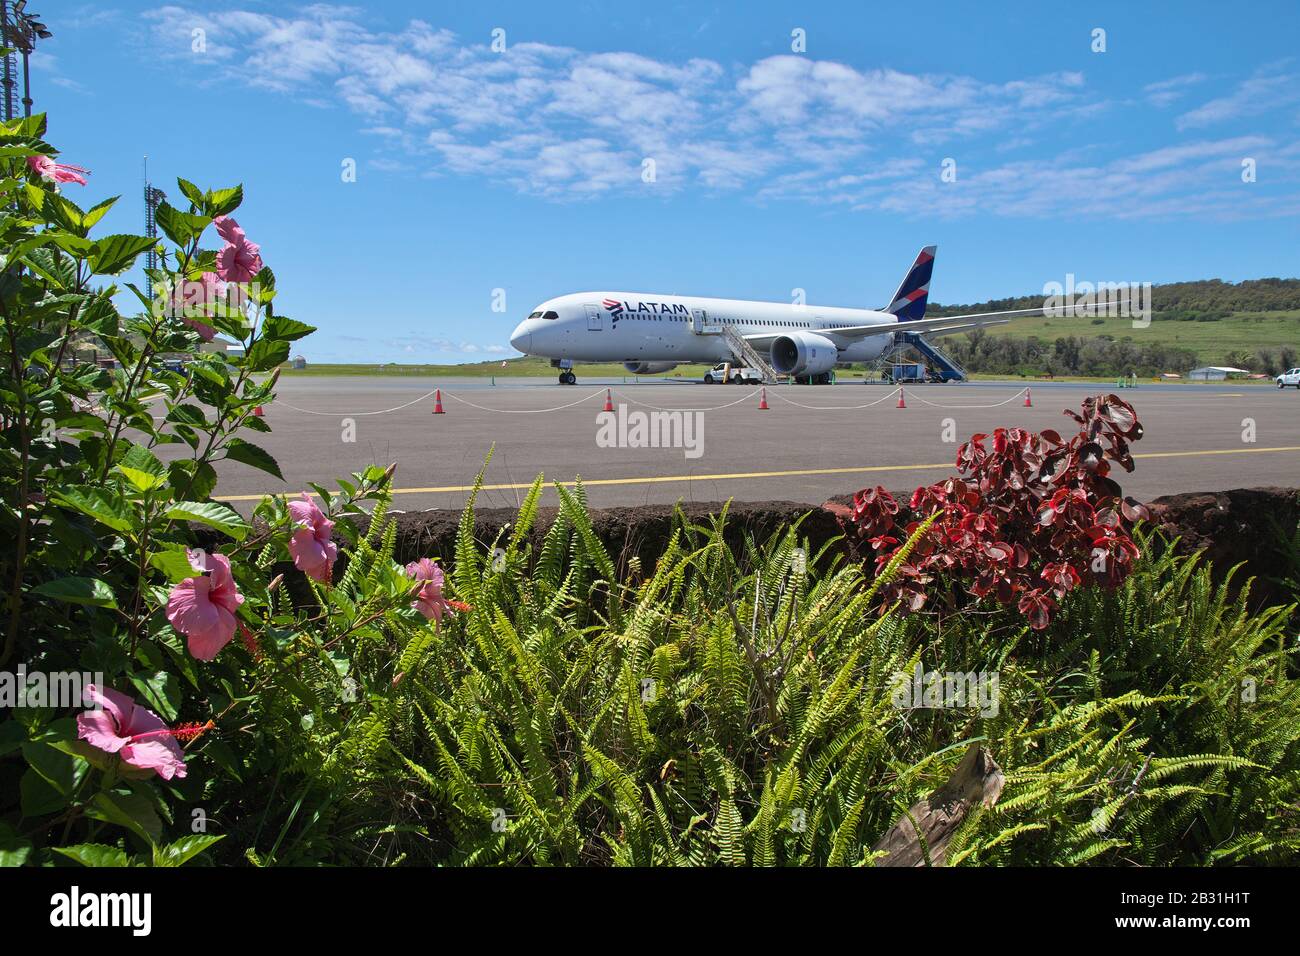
x=152 y=197
x=19 y=31
x=8 y=64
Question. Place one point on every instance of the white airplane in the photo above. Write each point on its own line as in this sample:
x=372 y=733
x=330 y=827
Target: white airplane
x=651 y=333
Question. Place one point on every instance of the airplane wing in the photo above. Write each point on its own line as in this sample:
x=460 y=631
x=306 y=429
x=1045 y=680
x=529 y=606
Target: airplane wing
x=949 y=323
x=945 y=326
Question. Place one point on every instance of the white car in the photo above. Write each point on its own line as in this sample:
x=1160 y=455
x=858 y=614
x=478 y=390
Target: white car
x=1289 y=378
x=736 y=376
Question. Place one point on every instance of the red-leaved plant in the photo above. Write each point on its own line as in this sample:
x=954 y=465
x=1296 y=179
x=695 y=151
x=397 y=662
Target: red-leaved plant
x=1033 y=517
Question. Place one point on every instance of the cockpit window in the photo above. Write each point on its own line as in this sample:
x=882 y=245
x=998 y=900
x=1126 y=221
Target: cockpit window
x=551 y=315
x=536 y=315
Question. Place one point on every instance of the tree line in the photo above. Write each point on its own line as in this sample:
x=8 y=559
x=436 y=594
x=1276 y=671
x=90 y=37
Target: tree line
x=1178 y=299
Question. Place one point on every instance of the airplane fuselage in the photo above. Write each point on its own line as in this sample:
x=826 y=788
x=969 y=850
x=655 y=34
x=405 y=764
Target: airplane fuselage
x=655 y=328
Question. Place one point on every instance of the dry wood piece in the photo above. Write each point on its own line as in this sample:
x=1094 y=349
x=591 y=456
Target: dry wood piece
x=977 y=779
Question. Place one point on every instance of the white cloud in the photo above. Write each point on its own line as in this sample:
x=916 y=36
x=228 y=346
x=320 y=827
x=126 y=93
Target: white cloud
x=566 y=124
x=1165 y=92
x=1266 y=90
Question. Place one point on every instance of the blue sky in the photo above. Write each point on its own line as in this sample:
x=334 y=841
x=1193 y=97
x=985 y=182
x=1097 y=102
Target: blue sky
x=774 y=169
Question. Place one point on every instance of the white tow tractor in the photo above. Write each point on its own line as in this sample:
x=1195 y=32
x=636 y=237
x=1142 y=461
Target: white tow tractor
x=726 y=373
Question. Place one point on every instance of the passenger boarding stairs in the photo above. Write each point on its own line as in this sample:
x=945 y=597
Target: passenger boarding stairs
x=742 y=351
x=748 y=356
x=935 y=357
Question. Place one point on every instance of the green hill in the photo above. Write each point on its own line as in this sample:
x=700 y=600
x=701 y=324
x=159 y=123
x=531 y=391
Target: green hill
x=1254 y=324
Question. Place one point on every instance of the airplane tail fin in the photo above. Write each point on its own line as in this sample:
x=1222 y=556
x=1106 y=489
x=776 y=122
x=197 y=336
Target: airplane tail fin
x=908 y=303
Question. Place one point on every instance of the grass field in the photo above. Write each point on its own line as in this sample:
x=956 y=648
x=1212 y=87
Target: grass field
x=1211 y=341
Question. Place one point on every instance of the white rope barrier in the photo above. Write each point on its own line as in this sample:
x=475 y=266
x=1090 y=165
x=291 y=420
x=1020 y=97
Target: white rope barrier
x=657 y=408
x=918 y=398
x=382 y=411
x=523 y=411
x=833 y=408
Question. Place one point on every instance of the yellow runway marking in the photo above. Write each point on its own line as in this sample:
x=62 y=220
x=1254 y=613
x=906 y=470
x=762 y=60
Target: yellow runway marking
x=740 y=475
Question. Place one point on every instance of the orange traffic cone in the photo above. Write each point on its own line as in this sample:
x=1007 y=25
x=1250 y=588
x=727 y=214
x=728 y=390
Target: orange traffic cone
x=901 y=403
x=762 y=401
x=437 y=402
x=1028 y=402
x=257 y=411
x=609 y=400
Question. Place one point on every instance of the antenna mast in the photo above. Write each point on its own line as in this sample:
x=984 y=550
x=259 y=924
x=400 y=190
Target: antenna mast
x=152 y=196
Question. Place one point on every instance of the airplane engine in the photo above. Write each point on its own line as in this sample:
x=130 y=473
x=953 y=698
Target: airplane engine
x=803 y=353
x=649 y=368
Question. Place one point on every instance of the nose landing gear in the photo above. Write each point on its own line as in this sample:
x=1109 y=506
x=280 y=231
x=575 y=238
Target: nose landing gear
x=566 y=371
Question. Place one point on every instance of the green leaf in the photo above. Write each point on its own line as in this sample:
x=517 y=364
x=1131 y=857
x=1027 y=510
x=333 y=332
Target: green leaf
x=185 y=849
x=193 y=193
x=37 y=797
x=141 y=480
x=60 y=770
x=73 y=245
x=162 y=691
x=266 y=354
x=12 y=735
x=265 y=284
x=180 y=227
x=105 y=506
x=114 y=254
x=192 y=478
x=14 y=849
x=88 y=591
x=96 y=212
x=222 y=202
x=245 y=451
x=65 y=213
x=174 y=563
x=222 y=517
x=36 y=196
x=141 y=458
x=94 y=854
x=287 y=330
x=142 y=468
x=131 y=810
x=187 y=415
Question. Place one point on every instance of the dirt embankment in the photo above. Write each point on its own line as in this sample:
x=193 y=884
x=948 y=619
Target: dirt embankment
x=1232 y=527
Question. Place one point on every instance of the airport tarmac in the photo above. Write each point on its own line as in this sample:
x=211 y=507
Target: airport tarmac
x=811 y=443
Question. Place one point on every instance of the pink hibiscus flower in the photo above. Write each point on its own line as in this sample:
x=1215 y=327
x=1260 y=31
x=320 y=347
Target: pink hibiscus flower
x=47 y=168
x=239 y=260
x=198 y=297
x=311 y=548
x=136 y=734
x=203 y=608
x=429 y=600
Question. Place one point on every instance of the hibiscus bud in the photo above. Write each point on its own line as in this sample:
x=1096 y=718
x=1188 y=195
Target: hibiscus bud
x=275 y=377
x=388 y=474
x=275 y=583
x=397 y=679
